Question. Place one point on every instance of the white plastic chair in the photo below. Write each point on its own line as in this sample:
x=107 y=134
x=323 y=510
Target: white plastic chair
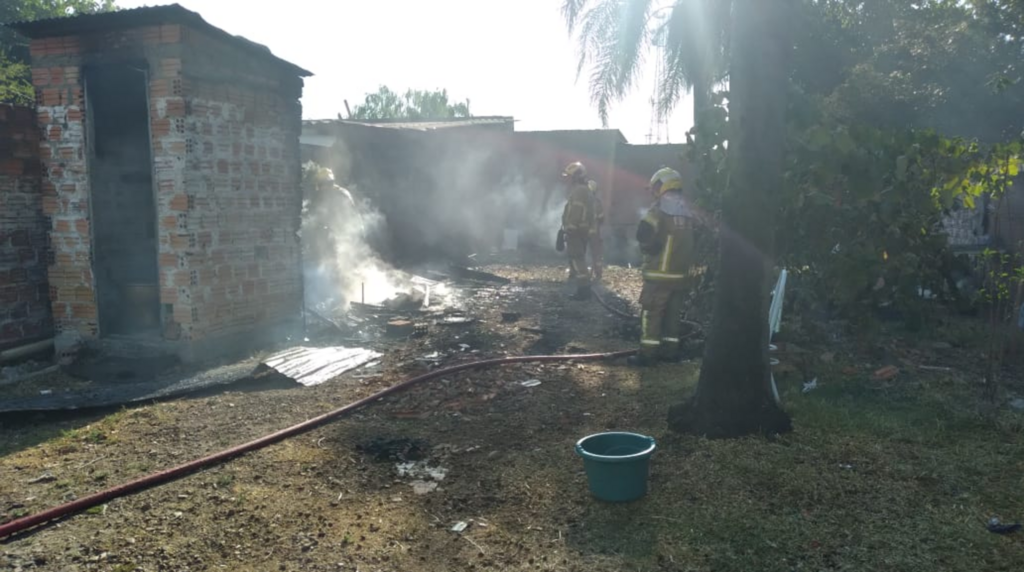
x=775 y=322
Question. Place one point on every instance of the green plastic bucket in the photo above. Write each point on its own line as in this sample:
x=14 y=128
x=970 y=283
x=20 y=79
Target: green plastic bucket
x=617 y=464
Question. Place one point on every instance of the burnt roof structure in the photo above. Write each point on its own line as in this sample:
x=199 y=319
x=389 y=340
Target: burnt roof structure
x=145 y=16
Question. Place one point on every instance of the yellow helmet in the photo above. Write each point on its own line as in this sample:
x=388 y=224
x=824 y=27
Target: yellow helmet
x=575 y=172
x=665 y=180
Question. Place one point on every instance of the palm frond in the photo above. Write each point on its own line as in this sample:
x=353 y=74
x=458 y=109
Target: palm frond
x=696 y=39
x=571 y=11
x=599 y=26
x=673 y=84
x=614 y=38
x=633 y=40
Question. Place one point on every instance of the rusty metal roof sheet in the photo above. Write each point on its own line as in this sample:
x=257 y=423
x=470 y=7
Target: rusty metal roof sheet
x=144 y=16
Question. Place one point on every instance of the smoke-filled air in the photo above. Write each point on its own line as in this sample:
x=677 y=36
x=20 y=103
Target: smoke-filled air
x=729 y=285
x=341 y=267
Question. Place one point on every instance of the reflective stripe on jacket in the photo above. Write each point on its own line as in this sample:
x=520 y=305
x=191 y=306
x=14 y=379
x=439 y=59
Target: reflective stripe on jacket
x=667 y=237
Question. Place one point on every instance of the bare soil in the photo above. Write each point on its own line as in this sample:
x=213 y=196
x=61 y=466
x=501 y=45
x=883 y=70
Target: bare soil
x=900 y=474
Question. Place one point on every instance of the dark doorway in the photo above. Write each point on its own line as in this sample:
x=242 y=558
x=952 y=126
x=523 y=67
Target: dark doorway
x=122 y=203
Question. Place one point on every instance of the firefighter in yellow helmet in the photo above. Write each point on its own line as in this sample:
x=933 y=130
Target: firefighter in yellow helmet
x=577 y=224
x=668 y=242
x=595 y=242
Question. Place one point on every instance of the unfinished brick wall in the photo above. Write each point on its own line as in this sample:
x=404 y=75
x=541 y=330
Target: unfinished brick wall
x=224 y=125
x=24 y=300
x=65 y=187
x=231 y=134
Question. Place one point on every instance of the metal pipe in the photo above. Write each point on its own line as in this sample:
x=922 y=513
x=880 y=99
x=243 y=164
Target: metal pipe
x=174 y=473
x=27 y=349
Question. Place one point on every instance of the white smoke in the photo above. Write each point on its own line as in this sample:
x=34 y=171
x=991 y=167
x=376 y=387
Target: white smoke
x=341 y=267
x=484 y=192
x=466 y=200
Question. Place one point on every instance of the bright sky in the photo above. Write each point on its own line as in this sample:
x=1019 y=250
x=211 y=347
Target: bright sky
x=509 y=57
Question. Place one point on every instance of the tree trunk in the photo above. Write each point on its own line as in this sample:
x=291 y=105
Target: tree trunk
x=701 y=99
x=734 y=394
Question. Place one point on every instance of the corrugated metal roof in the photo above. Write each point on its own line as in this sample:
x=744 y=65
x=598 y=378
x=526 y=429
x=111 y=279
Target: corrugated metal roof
x=430 y=125
x=318 y=140
x=614 y=133
x=144 y=16
x=313 y=366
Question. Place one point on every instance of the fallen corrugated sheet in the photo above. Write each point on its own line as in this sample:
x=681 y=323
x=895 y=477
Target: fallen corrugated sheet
x=313 y=366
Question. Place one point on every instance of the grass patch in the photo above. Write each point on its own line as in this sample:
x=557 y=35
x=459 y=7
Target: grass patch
x=873 y=478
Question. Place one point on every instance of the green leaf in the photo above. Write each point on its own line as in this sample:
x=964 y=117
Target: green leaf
x=845 y=143
x=818 y=138
x=901 y=168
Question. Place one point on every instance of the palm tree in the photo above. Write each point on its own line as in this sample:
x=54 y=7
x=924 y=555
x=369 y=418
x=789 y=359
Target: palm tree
x=615 y=37
x=733 y=395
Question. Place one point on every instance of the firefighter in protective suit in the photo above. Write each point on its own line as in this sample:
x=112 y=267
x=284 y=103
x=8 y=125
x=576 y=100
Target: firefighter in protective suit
x=595 y=243
x=667 y=237
x=577 y=224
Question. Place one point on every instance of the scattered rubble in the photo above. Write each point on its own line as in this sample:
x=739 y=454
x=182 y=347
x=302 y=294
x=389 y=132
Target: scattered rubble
x=886 y=373
x=46 y=477
x=996 y=526
x=399 y=329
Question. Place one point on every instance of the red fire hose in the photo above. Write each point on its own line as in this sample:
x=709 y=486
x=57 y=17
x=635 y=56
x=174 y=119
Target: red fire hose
x=174 y=473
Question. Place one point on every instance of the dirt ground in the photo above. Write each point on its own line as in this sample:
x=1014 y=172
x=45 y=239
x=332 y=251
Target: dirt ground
x=900 y=474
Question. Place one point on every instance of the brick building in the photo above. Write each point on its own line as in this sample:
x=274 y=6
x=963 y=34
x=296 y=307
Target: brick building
x=171 y=180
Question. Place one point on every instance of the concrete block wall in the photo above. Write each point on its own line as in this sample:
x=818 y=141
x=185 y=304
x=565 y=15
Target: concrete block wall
x=233 y=225
x=24 y=296
x=225 y=128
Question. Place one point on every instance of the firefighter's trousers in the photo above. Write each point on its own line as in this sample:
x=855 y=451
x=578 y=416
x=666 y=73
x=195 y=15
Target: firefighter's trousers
x=576 y=248
x=661 y=318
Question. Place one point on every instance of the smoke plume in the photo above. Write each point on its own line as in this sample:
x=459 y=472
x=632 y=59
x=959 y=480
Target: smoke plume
x=419 y=202
x=341 y=266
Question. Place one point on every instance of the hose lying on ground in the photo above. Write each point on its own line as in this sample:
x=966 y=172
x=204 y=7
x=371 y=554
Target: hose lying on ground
x=174 y=473
x=610 y=308
x=696 y=328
